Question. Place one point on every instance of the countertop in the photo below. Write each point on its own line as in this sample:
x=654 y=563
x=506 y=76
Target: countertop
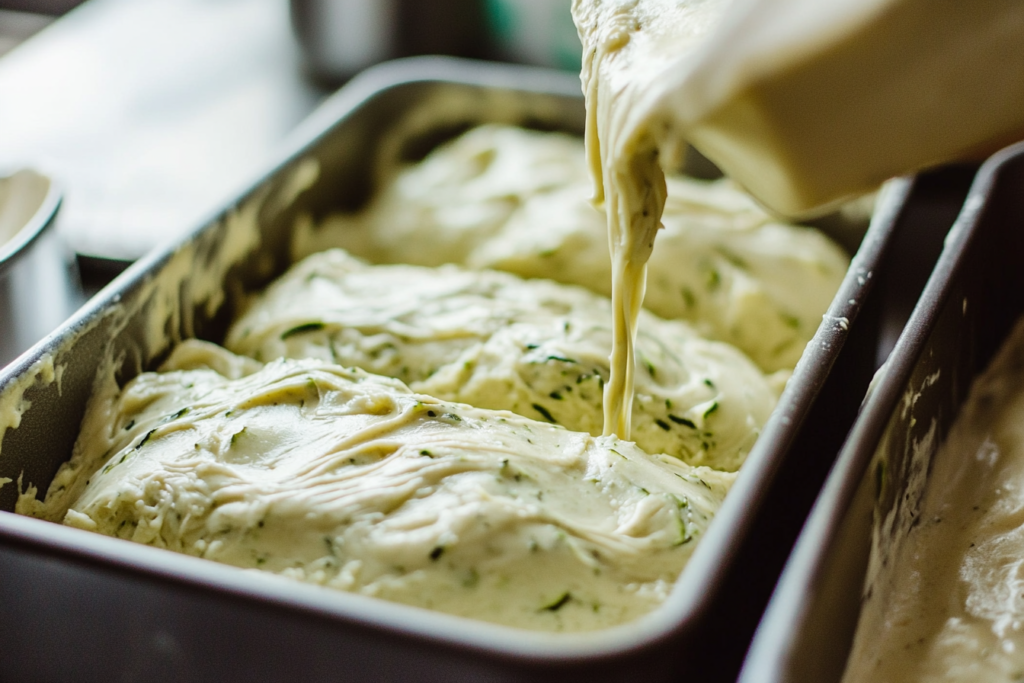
x=149 y=112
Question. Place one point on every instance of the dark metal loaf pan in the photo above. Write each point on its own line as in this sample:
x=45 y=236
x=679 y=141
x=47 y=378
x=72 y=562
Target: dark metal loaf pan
x=79 y=606
x=971 y=300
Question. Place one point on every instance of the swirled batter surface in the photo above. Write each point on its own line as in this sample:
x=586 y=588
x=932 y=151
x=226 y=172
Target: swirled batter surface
x=493 y=340
x=344 y=479
x=516 y=200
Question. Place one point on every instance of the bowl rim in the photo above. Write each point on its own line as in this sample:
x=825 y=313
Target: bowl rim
x=41 y=219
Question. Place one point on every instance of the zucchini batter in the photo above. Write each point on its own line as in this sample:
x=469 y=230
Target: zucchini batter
x=336 y=477
x=493 y=340
x=413 y=484
x=627 y=48
x=511 y=199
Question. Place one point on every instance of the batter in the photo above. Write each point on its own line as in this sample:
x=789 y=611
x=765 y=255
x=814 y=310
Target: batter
x=493 y=340
x=339 y=478
x=511 y=199
x=310 y=468
x=627 y=48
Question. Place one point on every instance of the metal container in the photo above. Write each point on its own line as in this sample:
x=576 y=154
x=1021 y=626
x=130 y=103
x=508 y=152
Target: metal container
x=76 y=605
x=339 y=38
x=39 y=285
x=969 y=304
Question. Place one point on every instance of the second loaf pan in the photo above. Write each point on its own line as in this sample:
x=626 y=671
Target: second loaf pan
x=111 y=608
x=971 y=301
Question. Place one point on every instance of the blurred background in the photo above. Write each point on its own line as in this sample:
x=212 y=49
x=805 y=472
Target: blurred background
x=151 y=113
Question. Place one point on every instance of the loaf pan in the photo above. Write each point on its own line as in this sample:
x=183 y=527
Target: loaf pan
x=968 y=306
x=76 y=605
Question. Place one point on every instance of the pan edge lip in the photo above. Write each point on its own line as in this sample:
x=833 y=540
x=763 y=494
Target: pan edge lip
x=42 y=219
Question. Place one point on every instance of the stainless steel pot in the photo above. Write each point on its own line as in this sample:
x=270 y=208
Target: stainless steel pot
x=39 y=286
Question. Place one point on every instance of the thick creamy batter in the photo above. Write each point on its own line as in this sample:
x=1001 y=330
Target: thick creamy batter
x=515 y=200
x=627 y=48
x=955 y=609
x=493 y=340
x=310 y=468
x=344 y=479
